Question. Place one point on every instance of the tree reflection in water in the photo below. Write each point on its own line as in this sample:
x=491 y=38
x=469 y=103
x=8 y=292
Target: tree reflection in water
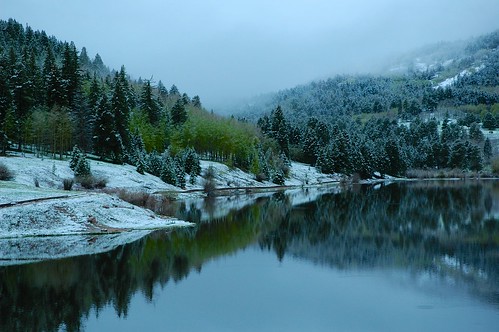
x=447 y=229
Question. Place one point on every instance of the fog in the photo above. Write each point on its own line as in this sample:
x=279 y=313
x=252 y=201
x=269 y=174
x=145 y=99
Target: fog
x=226 y=49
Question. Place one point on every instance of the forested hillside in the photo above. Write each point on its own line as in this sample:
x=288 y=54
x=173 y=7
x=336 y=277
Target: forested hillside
x=446 y=80
x=439 y=115
x=54 y=97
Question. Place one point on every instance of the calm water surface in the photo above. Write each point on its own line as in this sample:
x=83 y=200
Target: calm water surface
x=400 y=257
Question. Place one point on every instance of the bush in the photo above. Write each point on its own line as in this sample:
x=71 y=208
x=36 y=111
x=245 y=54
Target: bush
x=209 y=185
x=5 y=173
x=91 y=182
x=495 y=165
x=67 y=184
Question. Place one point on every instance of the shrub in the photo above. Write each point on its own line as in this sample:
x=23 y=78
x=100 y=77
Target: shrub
x=209 y=185
x=100 y=183
x=91 y=182
x=67 y=184
x=5 y=173
x=495 y=165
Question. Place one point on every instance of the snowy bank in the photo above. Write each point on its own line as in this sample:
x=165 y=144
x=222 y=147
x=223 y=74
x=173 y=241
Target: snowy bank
x=34 y=204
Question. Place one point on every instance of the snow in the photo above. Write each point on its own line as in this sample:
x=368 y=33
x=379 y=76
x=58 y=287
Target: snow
x=452 y=80
x=30 y=211
x=24 y=250
x=91 y=213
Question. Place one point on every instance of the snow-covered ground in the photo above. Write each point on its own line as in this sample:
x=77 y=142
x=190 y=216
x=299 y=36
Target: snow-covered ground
x=58 y=212
x=39 y=220
x=50 y=174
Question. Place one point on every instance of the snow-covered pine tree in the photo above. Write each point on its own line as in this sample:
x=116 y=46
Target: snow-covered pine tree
x=154 y=164
x=83 y=167
x=75 y=157
x=191 y=161
x=168 y=169
x=179 y=170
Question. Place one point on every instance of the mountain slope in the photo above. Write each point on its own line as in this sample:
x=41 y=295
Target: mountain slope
x=465 y=72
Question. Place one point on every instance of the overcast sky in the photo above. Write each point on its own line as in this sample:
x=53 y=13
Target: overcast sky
x=227 y=49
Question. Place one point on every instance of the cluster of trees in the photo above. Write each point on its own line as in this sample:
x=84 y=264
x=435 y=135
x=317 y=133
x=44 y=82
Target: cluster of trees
x=53 y=97
x=380 y=145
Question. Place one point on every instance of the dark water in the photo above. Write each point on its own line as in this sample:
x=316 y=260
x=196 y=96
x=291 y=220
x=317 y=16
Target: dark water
x=401 y=257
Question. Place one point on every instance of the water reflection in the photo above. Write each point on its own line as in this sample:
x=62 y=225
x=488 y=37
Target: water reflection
x=447 y=230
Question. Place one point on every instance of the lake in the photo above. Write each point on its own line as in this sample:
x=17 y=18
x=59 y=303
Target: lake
x=416 y=256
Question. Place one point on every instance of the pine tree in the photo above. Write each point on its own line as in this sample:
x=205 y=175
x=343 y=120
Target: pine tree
x=162 y=91
x=168 y=171
x=75 y=158
x=457 y=156
x=179 y=171
x=475 y=133
x=106 y=139
x=154 y=164
x=70 y=76
x=52 y=80
x=82 y=167
x=279 y=130
x=174 y=91
x=196 y=101
x=474 y=157
x=120 y=110
x=148 y=104
x=489 y=121
x=487 y=149
x=191 y=161
x=141 y=165
x=178 y=114
x=95 y=94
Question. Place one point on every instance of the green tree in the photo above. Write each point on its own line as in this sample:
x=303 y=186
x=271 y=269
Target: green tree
x=279 y=129
x=487 y=149
x=489 y=121
x=120 y=109
x=149 y=104
x=178 y=114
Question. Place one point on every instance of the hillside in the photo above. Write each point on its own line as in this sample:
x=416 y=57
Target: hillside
x=460 y=75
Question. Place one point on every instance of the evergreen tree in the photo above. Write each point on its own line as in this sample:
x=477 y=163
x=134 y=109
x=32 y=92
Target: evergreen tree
x=82 y=167
x=489 y=121
x=475 y=133
x=191 y=162
x=75 y=157
x=196 y=101
x=95 y=94
x=162 y=91
x=106 y=139
x=52 y=80
x=168 y=170
x=487 y=149
x=141 y=165
x=457 y=156
x=148 y=104
x=178 y=114
x=279 y=129
x=174 y=91
x=179 y=171
x=120 y=110
x=154 y=164
x=70 y=76
x=474 y=157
